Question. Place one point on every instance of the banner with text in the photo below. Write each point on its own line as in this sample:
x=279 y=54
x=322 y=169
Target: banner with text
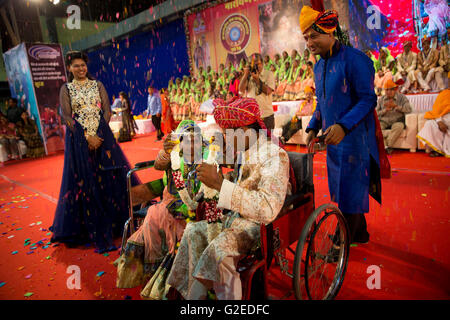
x=48 y=75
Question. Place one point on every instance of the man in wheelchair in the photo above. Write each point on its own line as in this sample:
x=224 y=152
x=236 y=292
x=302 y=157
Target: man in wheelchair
x=252 y=194
x=153 y=245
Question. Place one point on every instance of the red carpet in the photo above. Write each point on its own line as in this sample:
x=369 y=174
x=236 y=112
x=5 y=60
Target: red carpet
x=409 y=233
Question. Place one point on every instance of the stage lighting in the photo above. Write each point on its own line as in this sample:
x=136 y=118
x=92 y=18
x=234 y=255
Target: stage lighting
x=55 y=2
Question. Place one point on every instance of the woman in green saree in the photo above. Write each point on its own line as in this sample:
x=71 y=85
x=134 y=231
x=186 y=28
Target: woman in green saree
x=156 y=239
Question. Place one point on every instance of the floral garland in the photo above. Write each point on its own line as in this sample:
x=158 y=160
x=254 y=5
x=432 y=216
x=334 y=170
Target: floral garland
x=211 y=196
x=178 y=179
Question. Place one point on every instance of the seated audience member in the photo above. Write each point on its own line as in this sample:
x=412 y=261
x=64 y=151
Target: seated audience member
x=14 y=112
x=295 y=56
x=435 y=133
x=382 y=69
x=186 y=104
x=391 y=110
x=165 y=221
x=307 y=56
x=30 y=134
x=294 y=81
x=170 y=85
x=428 y=67
x=306 y=108
x=254 y=193
x=371 y=56
x=277 y=60
x=406 y=66
x=9 y=138
x=267 y=62
x=444 y=56
x=234 y=83
x=285 y=58
x=307 y=81
x=283 y=77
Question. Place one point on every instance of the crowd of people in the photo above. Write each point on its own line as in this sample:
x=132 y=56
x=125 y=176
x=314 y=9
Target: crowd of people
x=415 y=72
x=15 y=126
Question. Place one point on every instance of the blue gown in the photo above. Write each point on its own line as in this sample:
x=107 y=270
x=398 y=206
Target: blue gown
x=93 y=200
x=345 y=95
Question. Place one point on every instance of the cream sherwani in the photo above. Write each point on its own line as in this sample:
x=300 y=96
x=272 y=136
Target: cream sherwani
x=428 y=69
x=254 y=195
x=406 y=62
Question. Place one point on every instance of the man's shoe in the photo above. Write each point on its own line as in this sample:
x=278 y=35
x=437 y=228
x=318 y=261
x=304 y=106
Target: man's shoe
x=361 y=237
x=435 y=154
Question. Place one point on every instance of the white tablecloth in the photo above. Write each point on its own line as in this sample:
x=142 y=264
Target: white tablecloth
x=422 y=102
x=419 y=103
x=286 y=107
x=144 y=126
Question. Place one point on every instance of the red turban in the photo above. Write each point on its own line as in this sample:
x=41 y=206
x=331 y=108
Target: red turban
x=237 y=112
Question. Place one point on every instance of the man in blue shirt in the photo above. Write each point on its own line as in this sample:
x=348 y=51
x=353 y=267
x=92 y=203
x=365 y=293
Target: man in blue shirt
x=154 y=110
x=344 y=79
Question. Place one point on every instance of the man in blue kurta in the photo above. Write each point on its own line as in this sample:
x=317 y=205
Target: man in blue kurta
x=346 y=100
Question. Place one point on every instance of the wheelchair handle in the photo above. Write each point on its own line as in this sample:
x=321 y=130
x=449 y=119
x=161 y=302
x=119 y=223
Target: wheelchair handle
x=145 y=164
x=319 y=139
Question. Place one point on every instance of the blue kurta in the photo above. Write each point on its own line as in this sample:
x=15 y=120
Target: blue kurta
x=345 y=95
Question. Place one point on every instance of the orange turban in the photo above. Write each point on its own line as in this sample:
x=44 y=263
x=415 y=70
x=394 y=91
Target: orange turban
x=322 y=22
x=389 y=84
x=309 y=89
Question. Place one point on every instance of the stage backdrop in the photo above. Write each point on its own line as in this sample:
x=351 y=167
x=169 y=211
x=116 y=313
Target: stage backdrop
x=134 y=63
x=36 y=73
x=234 y=30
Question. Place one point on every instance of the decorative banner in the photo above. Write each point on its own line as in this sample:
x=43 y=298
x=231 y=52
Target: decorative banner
x=48 y=74
x=228 y=32
x=35 y=75
x=224 y=33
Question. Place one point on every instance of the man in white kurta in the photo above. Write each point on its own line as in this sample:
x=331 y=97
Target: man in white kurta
x=254 y=193
x=406 y=66
x=435 y=133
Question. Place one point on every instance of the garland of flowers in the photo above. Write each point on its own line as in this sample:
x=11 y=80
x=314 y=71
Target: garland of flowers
x=211 y=196
x=178 y=179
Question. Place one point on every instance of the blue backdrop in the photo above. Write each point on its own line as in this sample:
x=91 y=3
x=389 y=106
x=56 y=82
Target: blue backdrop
x=149 y=58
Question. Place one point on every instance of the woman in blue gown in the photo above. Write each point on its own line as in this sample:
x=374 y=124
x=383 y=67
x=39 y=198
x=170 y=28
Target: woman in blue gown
x=93 y=202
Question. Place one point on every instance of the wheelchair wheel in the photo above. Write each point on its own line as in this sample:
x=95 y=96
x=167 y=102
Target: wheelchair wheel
x=322 y=254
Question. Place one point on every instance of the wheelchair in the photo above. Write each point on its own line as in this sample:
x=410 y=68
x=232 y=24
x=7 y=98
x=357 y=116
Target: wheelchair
x=320 y=237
